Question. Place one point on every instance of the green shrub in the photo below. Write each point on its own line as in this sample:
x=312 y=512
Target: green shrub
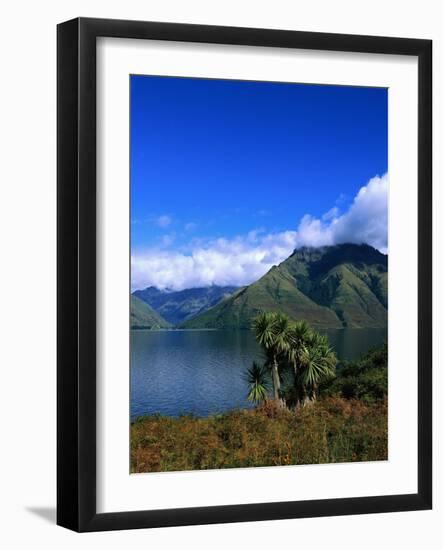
x=365 y=379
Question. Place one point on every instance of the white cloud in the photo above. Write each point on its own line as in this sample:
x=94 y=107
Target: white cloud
x=366 y=220
x=236 y=261
x=331 y=214
x=163 y=221
x=244 y=259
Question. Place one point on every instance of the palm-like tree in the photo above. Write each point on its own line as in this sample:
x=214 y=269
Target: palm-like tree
x=257 y=379
x=272 y=333
x=294 y=345
x=300 y=335
x=318 y=363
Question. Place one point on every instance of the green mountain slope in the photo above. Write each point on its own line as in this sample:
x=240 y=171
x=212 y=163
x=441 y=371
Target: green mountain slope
x=178 y=306
x=330 y=287
x=143 y=316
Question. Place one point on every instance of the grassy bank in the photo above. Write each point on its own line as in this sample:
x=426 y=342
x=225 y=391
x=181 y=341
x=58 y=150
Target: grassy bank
x=333 y=429
x=347 y=423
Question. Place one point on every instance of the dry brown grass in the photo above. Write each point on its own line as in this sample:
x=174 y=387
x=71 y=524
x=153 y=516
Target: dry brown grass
x=331 y=430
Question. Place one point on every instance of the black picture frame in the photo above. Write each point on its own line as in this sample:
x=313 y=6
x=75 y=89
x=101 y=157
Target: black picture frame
x=76 y=266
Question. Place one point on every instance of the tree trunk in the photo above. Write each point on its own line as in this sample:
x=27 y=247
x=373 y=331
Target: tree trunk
x=298 y=392
x=314 y=394
x=276 y=379
x=312 y=398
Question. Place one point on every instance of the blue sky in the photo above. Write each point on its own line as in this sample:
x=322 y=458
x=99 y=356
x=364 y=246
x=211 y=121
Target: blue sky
x=219 y=164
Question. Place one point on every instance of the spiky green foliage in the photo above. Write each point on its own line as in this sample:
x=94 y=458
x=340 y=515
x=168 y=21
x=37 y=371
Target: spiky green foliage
x=295 y=346
x=317 y=364
x=257 y=378
x=144 y=317
x=271 y=331
x=299 y=338
x=329 y=287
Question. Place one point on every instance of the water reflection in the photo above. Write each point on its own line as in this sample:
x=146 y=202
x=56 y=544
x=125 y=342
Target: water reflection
x=201 y=372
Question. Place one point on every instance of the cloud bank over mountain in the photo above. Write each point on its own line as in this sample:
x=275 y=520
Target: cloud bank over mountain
x=244 y=259
x=366 y=220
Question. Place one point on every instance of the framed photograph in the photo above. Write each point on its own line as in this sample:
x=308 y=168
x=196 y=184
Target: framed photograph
x=244 y=274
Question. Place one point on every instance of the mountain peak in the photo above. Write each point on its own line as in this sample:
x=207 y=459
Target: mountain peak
x=341 y=246
x=337 y=286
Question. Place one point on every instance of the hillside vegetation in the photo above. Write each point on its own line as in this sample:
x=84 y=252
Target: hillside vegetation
x=144 y=317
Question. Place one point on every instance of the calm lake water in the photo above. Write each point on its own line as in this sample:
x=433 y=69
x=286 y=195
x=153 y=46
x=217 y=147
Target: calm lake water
x=201 y=371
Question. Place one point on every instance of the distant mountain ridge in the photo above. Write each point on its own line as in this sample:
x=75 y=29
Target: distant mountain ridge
x=178 y=306
x=144 y=317
x=330 y=287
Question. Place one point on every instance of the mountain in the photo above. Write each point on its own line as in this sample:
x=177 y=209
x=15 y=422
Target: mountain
x=143 y=316
x=330 y=287
x=178 y=306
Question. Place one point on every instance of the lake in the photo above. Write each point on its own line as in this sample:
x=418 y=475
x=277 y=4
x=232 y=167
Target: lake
x=201 y=372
